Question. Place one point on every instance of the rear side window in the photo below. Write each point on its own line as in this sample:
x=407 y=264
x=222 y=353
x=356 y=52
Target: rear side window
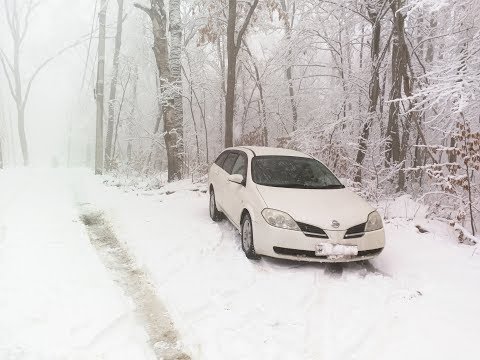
x=221 y=158
x=229 y=162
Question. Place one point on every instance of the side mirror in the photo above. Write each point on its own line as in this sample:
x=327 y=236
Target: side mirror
x=236 y=178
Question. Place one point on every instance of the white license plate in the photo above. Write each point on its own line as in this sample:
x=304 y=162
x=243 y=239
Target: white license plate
x=328 y=249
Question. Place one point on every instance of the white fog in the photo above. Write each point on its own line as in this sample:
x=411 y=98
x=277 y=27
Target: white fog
x=245 y=180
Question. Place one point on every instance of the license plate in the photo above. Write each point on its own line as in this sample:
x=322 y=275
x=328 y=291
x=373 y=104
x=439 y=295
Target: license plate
x=327 y=249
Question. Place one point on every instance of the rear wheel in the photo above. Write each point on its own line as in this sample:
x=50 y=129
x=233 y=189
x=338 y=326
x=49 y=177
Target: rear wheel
x=247 y=238
x=214 y=213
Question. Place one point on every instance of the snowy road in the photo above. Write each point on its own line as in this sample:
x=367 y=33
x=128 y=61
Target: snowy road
x=423 y=302
x=57 y=301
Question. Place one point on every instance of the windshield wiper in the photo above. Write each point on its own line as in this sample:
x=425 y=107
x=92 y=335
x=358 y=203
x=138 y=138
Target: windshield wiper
x=290 y=186
x=332 y=186
x=305 y=186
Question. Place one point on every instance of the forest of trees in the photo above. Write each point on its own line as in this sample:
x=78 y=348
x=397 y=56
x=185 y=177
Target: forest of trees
x=384 y=92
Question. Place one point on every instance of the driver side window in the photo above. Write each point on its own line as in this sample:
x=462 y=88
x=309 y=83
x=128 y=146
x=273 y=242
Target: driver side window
x=240 y=166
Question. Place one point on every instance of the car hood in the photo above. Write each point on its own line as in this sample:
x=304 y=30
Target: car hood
x=318 y=207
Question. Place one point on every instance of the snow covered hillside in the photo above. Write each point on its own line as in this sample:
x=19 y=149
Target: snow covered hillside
x=418 y=300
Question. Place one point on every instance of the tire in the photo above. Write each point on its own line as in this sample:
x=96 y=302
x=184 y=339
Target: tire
x=215 y=214
x=247 y=238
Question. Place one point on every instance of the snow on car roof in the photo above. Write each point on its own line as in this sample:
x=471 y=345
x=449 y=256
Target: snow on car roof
x=263 y=151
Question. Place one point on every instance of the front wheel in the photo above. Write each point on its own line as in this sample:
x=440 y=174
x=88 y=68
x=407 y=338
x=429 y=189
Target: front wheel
x=247 y=238
x=214 y=213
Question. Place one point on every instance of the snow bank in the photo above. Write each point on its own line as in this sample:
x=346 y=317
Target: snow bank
x=403 y=207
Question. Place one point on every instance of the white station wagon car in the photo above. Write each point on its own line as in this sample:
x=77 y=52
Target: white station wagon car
x=288 y=205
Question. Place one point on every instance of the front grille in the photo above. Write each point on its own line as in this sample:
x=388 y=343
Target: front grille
x=312 y=231
x=311 y=254
x=355 y=231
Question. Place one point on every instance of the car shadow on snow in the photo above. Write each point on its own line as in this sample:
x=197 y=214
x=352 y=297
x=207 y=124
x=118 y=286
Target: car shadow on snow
x=335 y=270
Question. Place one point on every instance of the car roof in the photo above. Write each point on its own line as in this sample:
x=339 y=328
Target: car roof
x=266 y=151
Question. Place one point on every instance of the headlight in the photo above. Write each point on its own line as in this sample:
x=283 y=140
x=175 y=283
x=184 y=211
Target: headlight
x=279 y=219
x=374 y=222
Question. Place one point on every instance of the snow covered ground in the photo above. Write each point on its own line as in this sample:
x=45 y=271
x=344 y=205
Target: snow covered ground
x=57 y=301
x=419 y=300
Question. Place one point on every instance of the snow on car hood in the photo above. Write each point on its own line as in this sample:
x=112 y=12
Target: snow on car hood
x=318 y=207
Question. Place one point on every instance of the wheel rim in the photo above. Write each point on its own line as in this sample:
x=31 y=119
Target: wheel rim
x=212 y=204
x=247 y=235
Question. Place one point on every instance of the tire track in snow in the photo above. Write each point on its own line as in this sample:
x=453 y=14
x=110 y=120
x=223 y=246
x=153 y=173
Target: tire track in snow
x=329 y=304
x=134 y=282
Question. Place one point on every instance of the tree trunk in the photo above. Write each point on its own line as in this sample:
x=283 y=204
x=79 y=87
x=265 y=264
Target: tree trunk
x=22 y=135
x=19 y=100
x=223 y=95
x=133 y=114
x=173 y=128
x=231 y=72
x=373 y=93
x=288 y=72
x=1 y=155
x=100 y=88
x=392 y=153
x=113 y=86
x=119 y=115
x=263 y=106
x=193 y=94
x=176 y=74
x=264 y=116
x=396 y=149
x=204 y=120
x=195 y=130
x=192 y=111
x=232 y=51
x=430 y=50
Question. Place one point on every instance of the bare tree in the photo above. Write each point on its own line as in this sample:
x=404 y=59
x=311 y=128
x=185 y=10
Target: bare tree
x=113 y=86
x=175 y=61
x=262 y=104
x=376 y=10
x=168 y=59
x=99 y=93
x=234 y=42
x=120 y=108
x=396 y=146
x=18 y=22
x=288 y=24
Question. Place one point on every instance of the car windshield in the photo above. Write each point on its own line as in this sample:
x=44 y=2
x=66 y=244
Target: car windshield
x=293 y=172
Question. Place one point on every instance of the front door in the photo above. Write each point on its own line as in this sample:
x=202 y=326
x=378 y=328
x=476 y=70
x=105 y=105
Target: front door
x=222 y=196
x=235 y=193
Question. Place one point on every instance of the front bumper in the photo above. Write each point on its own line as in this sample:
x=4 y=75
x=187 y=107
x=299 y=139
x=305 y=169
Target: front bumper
x=295 y=245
